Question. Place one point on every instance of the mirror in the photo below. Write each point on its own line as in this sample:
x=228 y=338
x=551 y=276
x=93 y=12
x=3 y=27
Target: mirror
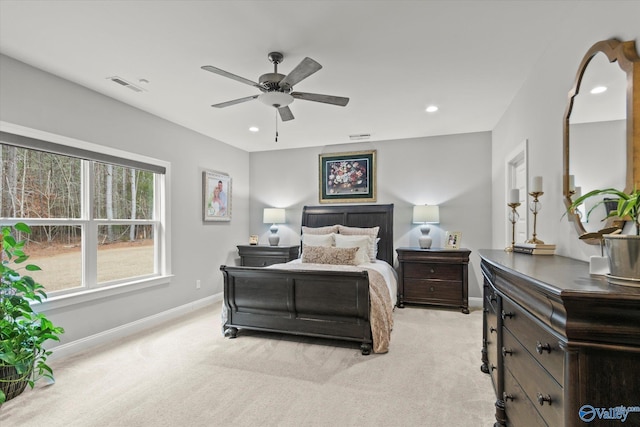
x=602 y=130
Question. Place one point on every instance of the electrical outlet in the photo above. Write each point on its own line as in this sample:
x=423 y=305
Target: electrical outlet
x=198 y=284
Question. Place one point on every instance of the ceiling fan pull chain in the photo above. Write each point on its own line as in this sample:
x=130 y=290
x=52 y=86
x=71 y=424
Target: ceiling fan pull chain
x=276 y=125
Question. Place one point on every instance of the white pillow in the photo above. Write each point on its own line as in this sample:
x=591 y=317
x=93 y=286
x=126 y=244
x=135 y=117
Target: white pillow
x=360 y=242
x=372 y=232
x=318 y=239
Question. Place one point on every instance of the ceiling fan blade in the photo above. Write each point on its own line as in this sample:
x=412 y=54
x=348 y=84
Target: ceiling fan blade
x=229 y=75
x=235 y=101
x=285 y=114
x=303 y=70
x=327 y=99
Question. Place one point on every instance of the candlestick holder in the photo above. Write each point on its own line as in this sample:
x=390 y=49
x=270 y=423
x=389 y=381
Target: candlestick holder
x=535 y=206
x=513 y=218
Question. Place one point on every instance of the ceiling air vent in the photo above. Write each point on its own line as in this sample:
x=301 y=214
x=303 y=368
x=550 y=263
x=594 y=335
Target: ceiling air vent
x=359 y=136
x=123 y=82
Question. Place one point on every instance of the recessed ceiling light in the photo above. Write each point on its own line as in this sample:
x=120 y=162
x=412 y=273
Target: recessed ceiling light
x=598 y=89
x=431 y=109
x=254 y=129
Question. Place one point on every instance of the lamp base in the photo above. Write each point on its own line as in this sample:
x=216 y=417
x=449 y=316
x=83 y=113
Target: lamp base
x=425 y=240
x=274 y=239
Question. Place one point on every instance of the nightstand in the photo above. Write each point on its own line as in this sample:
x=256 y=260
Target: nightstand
x=262 y=255
x=437 y=277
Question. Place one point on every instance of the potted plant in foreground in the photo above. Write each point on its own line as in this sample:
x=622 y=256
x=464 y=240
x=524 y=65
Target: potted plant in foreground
x=623 y=250
x=22 y=331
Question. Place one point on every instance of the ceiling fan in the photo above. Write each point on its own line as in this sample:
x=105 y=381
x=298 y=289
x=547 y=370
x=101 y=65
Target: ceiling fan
x=277 y=88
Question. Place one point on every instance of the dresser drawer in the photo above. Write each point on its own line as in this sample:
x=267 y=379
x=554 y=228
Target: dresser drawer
x=492 y=346
x=520 y=410
x=540 y=387
x=432 y=291
x=432 y=271
x=540 y=343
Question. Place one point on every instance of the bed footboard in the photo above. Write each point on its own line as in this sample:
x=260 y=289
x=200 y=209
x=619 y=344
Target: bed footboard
x=320 y=304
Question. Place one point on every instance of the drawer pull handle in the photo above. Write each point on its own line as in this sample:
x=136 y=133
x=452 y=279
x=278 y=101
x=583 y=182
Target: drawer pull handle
x=543 y=347
x=492 y=329
x=544 y=398
x=506 y=352
x=506 y=396
x=506 y=314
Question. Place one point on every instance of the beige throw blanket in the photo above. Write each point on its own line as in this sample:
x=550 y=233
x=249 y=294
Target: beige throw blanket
x=381 y=307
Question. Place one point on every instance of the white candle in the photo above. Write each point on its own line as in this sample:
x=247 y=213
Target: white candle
x=514 y=196
x=572 y=183
x=536 y=184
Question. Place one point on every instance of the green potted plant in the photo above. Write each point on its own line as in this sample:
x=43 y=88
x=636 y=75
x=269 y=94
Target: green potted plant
x=623 y=250
x=22 y=331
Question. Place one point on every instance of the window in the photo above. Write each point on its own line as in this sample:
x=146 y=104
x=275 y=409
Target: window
x=96 y=218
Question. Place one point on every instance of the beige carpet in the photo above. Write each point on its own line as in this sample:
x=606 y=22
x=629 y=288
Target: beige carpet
x=187 y=374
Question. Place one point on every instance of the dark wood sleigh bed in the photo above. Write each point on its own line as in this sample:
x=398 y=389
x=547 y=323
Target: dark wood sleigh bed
x=305 y=302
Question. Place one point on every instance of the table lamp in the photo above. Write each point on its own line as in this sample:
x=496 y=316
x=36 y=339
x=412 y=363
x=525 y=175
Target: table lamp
x=273 y=216
x=424 y=215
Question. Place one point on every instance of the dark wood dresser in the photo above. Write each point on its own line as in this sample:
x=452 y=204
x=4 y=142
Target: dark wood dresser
x=434 y=276
x=262 y=255
x=562 y=347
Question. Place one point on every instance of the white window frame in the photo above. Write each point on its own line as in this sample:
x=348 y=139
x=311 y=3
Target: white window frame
x=92 y=291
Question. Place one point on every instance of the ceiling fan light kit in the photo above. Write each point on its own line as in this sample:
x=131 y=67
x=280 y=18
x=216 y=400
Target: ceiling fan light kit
x=276 y=88
x=275 y=99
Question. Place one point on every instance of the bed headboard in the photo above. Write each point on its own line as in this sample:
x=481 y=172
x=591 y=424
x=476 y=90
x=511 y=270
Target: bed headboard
x=356 y=216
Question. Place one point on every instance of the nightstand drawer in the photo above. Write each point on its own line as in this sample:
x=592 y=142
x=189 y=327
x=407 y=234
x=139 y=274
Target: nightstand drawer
x=433 y=291
x=432 y=271
x=263 y=256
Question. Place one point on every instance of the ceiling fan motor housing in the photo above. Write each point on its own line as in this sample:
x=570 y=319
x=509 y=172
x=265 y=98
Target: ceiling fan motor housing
x=271 y=81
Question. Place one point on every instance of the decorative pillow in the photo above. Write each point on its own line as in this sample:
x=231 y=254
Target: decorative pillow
x=329 y=255
x=318 y=239
x=357 y=231
x=320 y=230
x=360 y=242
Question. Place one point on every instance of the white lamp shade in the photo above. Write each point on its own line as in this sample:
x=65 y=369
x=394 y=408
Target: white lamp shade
x=273 y=216
x=426 y=214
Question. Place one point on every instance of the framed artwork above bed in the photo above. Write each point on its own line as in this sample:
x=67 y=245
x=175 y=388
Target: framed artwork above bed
x=348 y=177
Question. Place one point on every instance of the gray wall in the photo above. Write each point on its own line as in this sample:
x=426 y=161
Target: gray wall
x=536 y=114
x=35 y=99
x=452 y=171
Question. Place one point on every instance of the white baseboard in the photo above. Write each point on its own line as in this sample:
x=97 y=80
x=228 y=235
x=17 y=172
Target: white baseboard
x=475 y=302
x=68 y=349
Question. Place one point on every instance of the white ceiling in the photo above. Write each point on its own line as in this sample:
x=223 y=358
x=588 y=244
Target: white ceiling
x=391 y=58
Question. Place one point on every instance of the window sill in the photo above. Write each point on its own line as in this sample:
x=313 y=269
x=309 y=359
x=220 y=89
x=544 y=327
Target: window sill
x=81 y=297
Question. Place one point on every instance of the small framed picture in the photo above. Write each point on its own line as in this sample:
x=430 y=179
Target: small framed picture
x=253 y=239
x=452 y=240
x=216 y=196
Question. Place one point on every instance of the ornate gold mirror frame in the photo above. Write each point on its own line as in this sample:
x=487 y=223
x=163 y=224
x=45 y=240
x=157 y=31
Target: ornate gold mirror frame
x=626 y=55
